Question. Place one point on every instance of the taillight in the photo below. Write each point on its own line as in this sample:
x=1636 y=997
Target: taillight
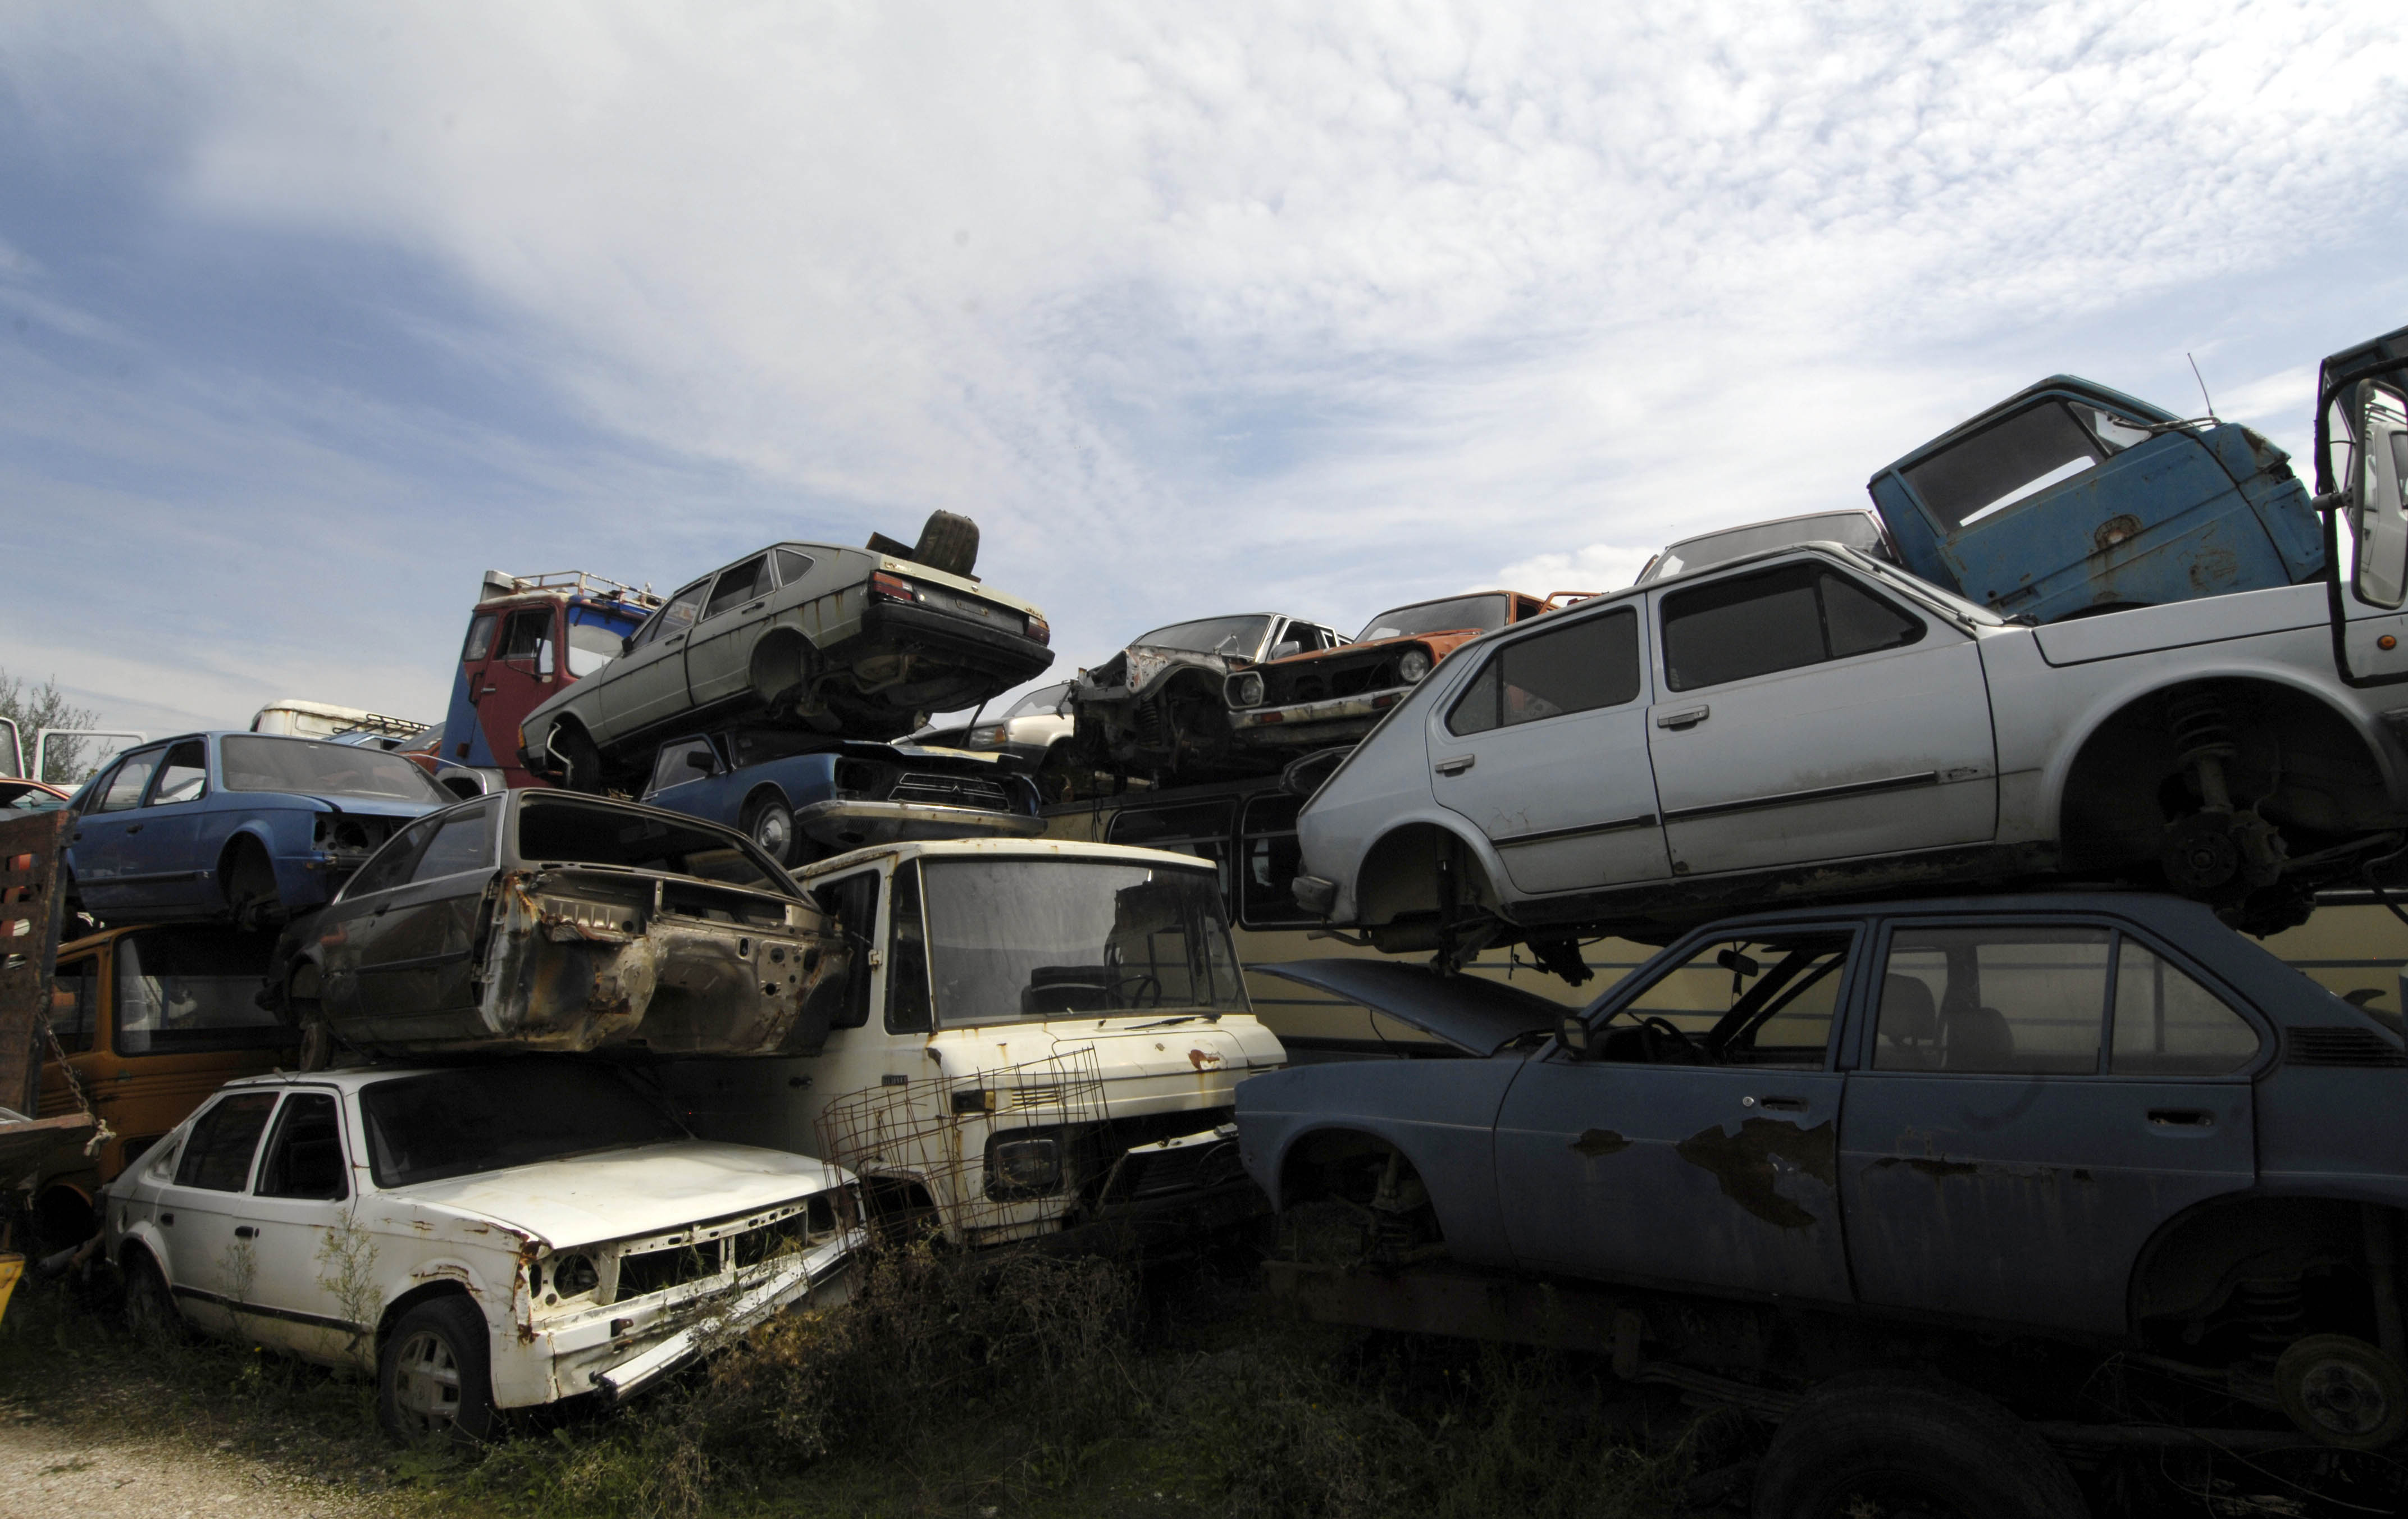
x=891 y=587
x=1039 y=630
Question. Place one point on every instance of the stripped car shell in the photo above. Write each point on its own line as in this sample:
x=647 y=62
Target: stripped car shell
x=1155 y=706
x=1337 y=696
x=543 y=921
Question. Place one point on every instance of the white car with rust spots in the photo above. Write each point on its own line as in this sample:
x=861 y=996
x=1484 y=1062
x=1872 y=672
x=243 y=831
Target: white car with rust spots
x=480 y=1238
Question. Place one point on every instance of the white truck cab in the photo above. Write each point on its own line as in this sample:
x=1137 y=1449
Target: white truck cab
x=1036 y=1037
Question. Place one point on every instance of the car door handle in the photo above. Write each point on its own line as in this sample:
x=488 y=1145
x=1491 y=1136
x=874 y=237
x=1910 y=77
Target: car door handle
x=1687 y=717
x=754 y=607
x=244 y=1231
x=1775 y=1105
x=134 y=828
x=382 y=907
x=1456 y=765
x=167 y=1221
x=2181 y=1118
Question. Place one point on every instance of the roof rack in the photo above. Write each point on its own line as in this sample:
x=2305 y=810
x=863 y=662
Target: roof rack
x=574 y=583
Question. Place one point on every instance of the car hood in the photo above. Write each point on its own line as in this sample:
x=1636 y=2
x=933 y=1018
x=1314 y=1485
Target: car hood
x=619 y=1194
x=1475 y=1015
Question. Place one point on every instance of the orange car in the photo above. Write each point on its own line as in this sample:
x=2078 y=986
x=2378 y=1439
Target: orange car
x=151 y=1021
x=19 y=795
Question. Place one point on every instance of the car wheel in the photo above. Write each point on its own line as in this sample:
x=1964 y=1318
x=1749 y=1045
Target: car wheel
x=770 y=824
x=433 y=1384
x=150 y=1309
x=2343 y=1391
x=949 y=541
x=581 y=761
x=1895 y=1443
x=250 y=890
x=317 y=1045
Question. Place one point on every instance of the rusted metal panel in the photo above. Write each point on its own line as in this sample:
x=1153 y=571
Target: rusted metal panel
x=30 y=915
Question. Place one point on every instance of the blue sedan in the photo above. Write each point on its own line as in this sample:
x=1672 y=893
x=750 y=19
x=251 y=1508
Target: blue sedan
x=2103 y=1119
x=244 y=827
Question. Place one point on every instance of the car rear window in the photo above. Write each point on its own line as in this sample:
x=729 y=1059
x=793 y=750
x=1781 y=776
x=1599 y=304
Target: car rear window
x=180 y=990
x=312 y=768
x=460 y=1123
x=564 y=830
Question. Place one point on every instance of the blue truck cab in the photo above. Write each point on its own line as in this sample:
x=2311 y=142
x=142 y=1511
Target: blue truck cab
x=2071 y=499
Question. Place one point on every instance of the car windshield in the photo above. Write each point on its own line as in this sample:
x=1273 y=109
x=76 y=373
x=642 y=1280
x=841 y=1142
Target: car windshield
x=1022 y=940
x=1485 y=612
x=1857 y=529
x=1237 y=638
x=1045 y=701
x=488 y=1118
x=305 y=765
x=571 y=830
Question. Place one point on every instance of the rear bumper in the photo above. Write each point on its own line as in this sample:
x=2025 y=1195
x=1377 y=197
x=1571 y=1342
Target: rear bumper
x=970 y=643
x=855 y=824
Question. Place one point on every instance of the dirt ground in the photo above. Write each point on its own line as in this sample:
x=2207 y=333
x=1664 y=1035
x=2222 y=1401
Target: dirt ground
x=53 y=1471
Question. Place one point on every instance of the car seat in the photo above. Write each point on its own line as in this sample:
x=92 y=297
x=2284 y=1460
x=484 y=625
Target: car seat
x=1909 y=1024
x=1978 y=1039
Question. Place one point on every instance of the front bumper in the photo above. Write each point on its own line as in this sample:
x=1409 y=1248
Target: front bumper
x=823 y=1275
x=843 y=824
x=1314 y=722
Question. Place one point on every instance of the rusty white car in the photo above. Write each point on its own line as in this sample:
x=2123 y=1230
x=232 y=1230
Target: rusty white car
x=1813 y=723
x=480 y=1238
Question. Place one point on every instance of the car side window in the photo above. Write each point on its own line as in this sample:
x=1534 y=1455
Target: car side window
x=853 y=901
x=126 y=784
x=480 y=638
x=305 y=1158
x=183 y=775
x=527 y=638
x=738 y=584
x=908 y=1009
x=676 y=765
x=464 y=843
x=218 y=1155
x=1759 y=1001
x=1778 y=620
x=2169 y=1025
x=1996 y=999
x=389 y=867
x=1590 y=665
x=792 y=565
x=71 y=1004
x=677 y=616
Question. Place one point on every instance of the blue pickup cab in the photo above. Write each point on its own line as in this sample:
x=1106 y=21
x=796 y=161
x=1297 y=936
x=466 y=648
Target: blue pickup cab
x=246 y=826
x=802 y=797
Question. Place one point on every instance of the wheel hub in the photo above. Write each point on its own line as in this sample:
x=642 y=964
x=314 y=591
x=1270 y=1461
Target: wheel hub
x=427 y=1387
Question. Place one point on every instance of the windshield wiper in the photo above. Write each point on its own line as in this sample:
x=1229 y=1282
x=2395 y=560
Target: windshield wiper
x=1165 y=1023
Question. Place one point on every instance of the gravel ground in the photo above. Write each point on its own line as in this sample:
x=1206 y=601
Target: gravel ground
x=51 y=1470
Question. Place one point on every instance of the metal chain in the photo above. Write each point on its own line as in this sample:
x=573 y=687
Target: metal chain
x=102 y=1133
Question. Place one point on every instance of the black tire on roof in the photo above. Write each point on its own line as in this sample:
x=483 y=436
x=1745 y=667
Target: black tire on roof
x=1906 y=1442
x=949 y=541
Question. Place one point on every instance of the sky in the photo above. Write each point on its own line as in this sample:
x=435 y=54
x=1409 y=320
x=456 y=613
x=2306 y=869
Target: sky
x=310 y=315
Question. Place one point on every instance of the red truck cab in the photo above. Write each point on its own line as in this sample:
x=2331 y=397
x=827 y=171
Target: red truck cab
x=529 y=636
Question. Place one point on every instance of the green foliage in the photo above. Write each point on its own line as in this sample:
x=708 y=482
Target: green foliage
x=44 y=706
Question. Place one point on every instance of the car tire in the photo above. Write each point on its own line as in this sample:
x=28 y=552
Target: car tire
x=250 y=890
x=949 y=542
x=434 y=1383
x=150 y=1310
x=580 y=759
x=769 y=822
x=1893 y=1442
x=2343 y=1391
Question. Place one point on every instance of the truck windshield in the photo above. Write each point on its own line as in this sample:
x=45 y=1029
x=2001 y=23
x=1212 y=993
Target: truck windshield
x=1237 y=638
x=309 y=767
x=1486 y=613
x=488 y=1118
x=1022 y=940
x=596 y=637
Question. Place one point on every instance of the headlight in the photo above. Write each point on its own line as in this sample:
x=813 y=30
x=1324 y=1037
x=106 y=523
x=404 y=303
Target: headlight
x=1414 y=663
x=1247 y=690
x=986 y=737
x=1023 y=1168
x=572 y=1274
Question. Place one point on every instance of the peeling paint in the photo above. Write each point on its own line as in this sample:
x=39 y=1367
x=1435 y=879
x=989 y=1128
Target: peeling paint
x=1747 y=1164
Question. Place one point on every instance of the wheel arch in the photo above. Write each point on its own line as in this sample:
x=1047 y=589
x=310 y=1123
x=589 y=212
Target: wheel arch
x=1399 y=873
x=248 y=834
x=2191 y=1263
x=1305 y=1155
x=780 y=663
x=448 y=1286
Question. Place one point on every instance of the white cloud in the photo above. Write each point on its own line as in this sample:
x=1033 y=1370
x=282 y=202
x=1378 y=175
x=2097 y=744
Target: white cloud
x=1597 y=567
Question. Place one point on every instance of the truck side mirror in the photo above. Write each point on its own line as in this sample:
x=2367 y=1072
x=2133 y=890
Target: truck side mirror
x=2376 y=500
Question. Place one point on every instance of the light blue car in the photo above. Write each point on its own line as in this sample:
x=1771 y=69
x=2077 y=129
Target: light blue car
x=234 y=826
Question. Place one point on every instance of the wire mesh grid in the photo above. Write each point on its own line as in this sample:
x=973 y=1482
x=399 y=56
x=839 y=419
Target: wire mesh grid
x=935 y=1133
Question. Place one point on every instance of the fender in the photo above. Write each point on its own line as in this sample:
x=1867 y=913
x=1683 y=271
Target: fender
x=1448 y=823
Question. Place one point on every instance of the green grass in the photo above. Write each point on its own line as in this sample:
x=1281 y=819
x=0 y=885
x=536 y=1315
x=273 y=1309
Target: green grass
x=979 y=1389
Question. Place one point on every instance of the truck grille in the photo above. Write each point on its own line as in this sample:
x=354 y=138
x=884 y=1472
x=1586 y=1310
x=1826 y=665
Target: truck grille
x=658 y=1271
x=950 y=791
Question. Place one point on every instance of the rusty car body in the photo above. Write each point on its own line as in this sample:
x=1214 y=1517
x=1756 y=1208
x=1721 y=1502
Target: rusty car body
x=1335 y=696
x=476 y=1239
x=1156 y=707
x=542 y=920
x=2103 y=1119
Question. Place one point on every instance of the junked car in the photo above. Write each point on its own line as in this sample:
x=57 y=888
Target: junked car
x=19 y=794
x=1033 y=732
x=802 y=797
x=1156 y=707
x=542 y=920
x=866 y=642
x=1034 y=1042
x=235 y=825
x=529 y=637
x=479 y=1239
x=1315 y=700
x=2100 y=1118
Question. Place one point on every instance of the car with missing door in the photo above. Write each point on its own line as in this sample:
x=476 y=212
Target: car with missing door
x=479 y=1239
x=2099 y=1118
x=1154 y=708
x=864 y=642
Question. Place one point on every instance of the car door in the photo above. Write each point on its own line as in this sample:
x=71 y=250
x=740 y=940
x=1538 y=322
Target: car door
x=648 y=685
x=210 y=1268
x=416 y=972
x=718 y=655
x=349 y=927
x=310 y=1290
x=171 y=819
x=1692 y=1143
x=1805 y=715
x=1544 y=749
x=109 y=861
x=1999 y=1159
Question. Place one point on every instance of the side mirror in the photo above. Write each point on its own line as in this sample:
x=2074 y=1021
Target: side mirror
x=2375 y=500
x=1573 y=1033
x=627 y=645
x=1285 y=648
x=698 y=760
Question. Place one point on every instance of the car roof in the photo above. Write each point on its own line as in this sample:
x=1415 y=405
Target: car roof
x=1065 y=849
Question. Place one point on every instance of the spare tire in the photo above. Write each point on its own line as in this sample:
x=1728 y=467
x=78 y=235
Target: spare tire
x=949 y=541
x=1904 y=1444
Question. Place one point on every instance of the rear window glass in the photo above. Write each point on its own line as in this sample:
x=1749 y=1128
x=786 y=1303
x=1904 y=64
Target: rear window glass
x=562 y=830
x=308 y=767
x=459 y=1123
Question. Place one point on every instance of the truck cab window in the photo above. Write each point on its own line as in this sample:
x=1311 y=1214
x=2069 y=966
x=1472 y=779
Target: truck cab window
x=526 y=639
x=71 y=1005
x=480 y=638
x=2018 y=457
x=852 y=902
x=908 y=1009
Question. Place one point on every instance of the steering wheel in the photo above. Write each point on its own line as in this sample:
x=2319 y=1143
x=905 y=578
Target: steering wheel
x=1659 y=1035
x=1141 y=983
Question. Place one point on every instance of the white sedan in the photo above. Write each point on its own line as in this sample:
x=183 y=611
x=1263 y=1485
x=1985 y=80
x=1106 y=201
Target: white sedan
x=480 y=1238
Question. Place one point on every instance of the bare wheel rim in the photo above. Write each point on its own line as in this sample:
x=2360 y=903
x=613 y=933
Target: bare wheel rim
x=774 y=831
x=426 y=1382
x=2343 y=1398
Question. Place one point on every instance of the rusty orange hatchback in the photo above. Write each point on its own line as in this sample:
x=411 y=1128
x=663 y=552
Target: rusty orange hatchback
x=151 y=1021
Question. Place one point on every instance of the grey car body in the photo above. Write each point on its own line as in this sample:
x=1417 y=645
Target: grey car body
x=1813 y=723
x=1156 y=706
x=2102 y=1117
x=856 y=640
